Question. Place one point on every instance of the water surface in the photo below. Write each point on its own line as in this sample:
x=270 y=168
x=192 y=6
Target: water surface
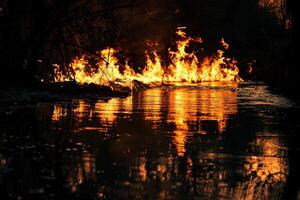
x=207 y=141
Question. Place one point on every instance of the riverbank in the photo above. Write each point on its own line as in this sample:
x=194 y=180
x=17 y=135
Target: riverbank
x=14 y=96
x=68 y=91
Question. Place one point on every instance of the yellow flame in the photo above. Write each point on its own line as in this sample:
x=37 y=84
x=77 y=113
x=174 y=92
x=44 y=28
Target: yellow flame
x=153 y=71
x=184 y=67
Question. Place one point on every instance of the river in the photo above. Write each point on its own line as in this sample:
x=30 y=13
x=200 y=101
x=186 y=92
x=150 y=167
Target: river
x=203 y=141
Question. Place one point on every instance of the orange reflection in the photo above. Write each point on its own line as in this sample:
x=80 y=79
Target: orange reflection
x=184 y=110
x=188 y=106
x=107 y=111
x=266 y=170
x=57 y=113
x=84 y=170
x=82 y=109
x=142 y=168
x=179 y=115
x=150 y=101
x=271 y=164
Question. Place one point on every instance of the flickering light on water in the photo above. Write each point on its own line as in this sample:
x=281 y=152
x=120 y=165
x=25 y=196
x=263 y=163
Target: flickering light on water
x=193 y=122
x=223 y=138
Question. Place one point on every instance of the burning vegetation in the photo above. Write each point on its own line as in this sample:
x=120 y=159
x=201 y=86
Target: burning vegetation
x=104 y=68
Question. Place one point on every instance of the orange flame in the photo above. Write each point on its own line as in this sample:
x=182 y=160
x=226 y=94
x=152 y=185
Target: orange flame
x=184 y=66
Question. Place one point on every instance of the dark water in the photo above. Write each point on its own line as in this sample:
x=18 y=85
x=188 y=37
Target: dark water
x=208 y=141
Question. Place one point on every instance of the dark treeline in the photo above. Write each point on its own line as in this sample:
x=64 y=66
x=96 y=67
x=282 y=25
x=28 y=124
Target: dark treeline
x=292 y=80
x=35 y=34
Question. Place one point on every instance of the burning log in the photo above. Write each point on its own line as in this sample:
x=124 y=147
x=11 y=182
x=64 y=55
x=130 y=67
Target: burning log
x=138 y=85
x=72 y=88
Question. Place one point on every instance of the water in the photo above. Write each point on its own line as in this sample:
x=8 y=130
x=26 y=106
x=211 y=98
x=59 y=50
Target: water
x=208 y=141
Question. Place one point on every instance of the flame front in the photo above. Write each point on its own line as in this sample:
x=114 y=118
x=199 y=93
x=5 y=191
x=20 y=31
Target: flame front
x=183 y=67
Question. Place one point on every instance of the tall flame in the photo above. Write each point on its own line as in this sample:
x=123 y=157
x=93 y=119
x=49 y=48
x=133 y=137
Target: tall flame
x=183 y=67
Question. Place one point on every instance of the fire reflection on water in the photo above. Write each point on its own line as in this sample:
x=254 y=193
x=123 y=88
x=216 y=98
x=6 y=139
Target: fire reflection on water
x=177 y=114
x=264 y=171
x=193 y=108
x=84 y=171
x=107 y=111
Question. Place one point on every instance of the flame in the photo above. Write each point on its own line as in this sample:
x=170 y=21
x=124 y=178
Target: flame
x=183 y=67
x=153 y=71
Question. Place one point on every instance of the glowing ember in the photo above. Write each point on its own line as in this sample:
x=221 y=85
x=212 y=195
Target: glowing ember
x=184 y=67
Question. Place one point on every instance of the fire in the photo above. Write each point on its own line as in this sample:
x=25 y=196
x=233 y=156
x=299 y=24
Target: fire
x=184 y=67
x=153 y=71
